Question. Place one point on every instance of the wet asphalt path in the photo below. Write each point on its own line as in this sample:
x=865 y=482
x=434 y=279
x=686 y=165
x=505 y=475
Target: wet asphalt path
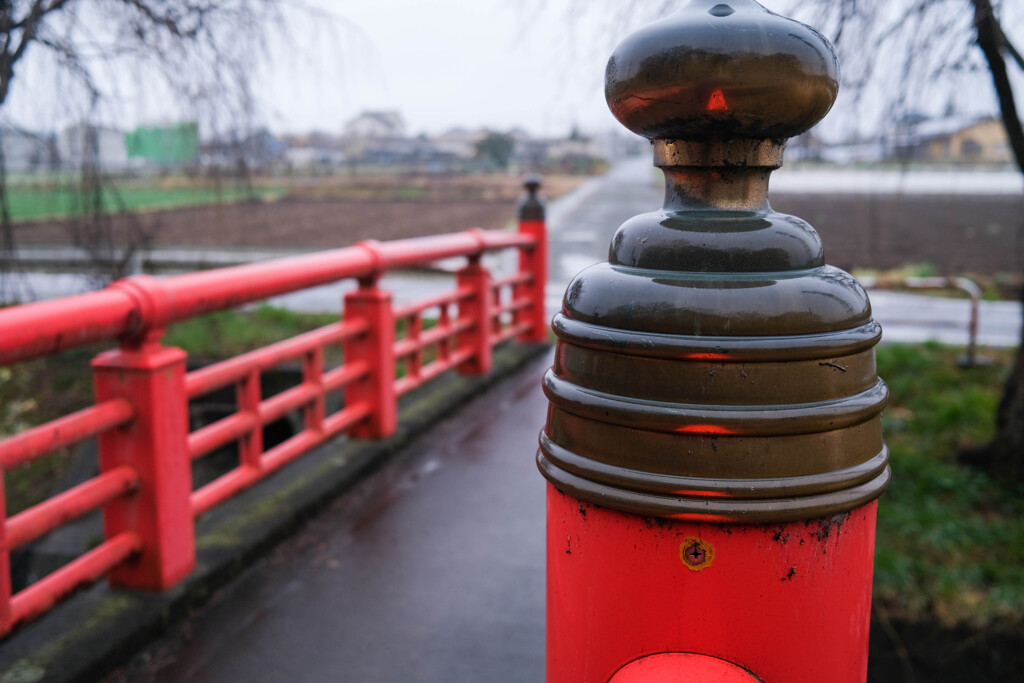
x=582 y=224
x=431 y=571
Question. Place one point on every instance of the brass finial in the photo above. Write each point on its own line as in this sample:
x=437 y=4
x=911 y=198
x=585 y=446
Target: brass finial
x=715 y=368
x=722 y=71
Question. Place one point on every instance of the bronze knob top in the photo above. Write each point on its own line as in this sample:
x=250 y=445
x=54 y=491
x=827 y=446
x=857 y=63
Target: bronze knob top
x=722 y=70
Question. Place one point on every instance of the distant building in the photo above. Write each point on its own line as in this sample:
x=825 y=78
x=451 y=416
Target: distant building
x=27 y=151
x=621 y=144
x=169 y=146
x=980 y=140
x=88 y=145
x=574 y=149
x=376 y=124
x=257 y=149
x=262 y=148
x=308 y=157
x=459 y=143
x=576 y=154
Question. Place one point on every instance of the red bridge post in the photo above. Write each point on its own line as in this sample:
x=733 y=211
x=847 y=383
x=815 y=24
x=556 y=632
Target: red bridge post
x=152 y=378
x=713 y=445
x=534 y=261
x=5 y=565
x=376 y=347
x=477 y=311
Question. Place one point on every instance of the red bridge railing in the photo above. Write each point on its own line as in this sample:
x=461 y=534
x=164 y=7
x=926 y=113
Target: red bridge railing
x=142 y=388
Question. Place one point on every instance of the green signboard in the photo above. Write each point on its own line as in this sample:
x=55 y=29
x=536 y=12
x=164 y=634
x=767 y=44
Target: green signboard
x=171 y=145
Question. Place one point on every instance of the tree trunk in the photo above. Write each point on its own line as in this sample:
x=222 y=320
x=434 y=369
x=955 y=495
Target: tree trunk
x=1004 y=455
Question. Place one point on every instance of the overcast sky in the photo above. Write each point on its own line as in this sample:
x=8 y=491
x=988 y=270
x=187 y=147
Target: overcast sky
x=450 y=62
x=441 y=63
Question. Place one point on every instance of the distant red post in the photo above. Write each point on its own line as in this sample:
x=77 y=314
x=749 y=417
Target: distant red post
x=376 y=347
x=534 y=261
x=152 y=378
x=477 y=311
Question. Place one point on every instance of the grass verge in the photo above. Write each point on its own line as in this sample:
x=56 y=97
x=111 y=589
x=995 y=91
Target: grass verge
x=950 y=540
x=43 y=389
x=28 y=203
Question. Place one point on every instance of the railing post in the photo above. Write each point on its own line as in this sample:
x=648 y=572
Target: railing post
x=713 y=444
x=477 y=309
x=5 y=566
x=376 y=347
x=535 y=260
x=152 y=378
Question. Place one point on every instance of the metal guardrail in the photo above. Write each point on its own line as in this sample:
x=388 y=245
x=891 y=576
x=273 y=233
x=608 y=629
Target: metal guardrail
x=970 y=358
x=143 y=390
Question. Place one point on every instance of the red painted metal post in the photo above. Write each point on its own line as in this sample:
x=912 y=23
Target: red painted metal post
x=152 y=378
x=787 y=601
x=248 y=394
x=313 y=376
x=376 y=348
x=713 y=444
x=5 y=566
x=535 y=260
x=476 y=310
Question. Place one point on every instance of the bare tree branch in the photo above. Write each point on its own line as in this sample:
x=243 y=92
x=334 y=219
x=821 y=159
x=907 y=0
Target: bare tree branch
x=990 y=39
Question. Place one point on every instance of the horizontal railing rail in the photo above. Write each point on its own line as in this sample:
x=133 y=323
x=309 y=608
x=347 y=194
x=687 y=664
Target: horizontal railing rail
x=970 y=358
x=143 y=391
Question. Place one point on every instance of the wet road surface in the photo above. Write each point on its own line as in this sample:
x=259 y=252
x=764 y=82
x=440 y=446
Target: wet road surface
x=431 y=571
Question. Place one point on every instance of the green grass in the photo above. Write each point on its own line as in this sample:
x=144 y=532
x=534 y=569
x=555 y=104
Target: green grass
x=43 y=389
x=33 y=203
x=32 y=393
x=229 y=333
x=950 y=538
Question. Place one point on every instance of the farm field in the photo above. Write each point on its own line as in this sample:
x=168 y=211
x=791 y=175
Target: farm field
x=313 y=213
x=950 y=234
x=58 y=201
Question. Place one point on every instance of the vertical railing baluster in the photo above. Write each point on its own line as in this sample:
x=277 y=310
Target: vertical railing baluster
x=249 y=394
x=444 y=345
x=5 y=565
x=414 y=327
x=478 y=309
x=497 y=318
x=376 y=347
x=313 y=375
